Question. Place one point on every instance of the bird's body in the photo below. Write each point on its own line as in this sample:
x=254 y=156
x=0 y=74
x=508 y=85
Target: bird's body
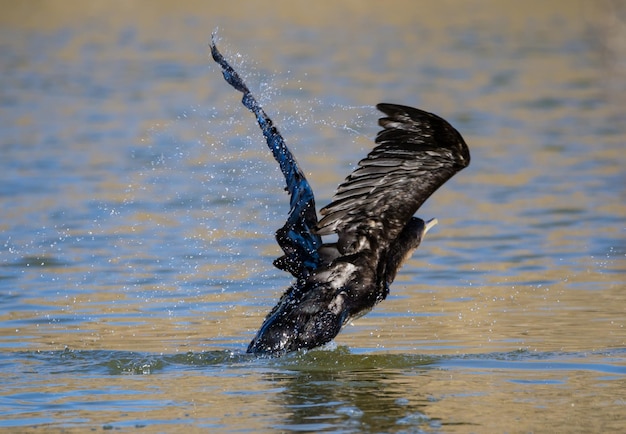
x=371 y=213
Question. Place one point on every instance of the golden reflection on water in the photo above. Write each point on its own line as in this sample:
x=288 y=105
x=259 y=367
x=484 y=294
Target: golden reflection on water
x=503 y=319
x=514 y=17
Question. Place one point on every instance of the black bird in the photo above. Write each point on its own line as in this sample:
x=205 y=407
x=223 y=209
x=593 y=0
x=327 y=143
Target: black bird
x=371 y=213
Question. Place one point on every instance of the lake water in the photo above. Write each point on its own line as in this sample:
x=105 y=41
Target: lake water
x=138 y=204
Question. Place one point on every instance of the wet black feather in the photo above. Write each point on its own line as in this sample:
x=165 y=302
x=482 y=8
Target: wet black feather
x=372 y=213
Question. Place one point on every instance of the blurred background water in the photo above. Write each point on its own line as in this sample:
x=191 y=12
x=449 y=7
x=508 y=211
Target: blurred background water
x=138 y=204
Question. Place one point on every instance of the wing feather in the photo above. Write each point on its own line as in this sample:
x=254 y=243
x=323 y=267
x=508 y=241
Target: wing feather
x=297 y=238
x=417 y=152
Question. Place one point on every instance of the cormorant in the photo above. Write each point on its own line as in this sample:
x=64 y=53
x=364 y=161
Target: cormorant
x=371 y=213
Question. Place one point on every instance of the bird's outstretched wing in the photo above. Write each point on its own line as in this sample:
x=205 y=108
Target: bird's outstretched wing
x=417 y=152
x=297 y=239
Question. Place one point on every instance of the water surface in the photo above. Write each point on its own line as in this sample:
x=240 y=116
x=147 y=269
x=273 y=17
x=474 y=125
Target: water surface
x=138 y=204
